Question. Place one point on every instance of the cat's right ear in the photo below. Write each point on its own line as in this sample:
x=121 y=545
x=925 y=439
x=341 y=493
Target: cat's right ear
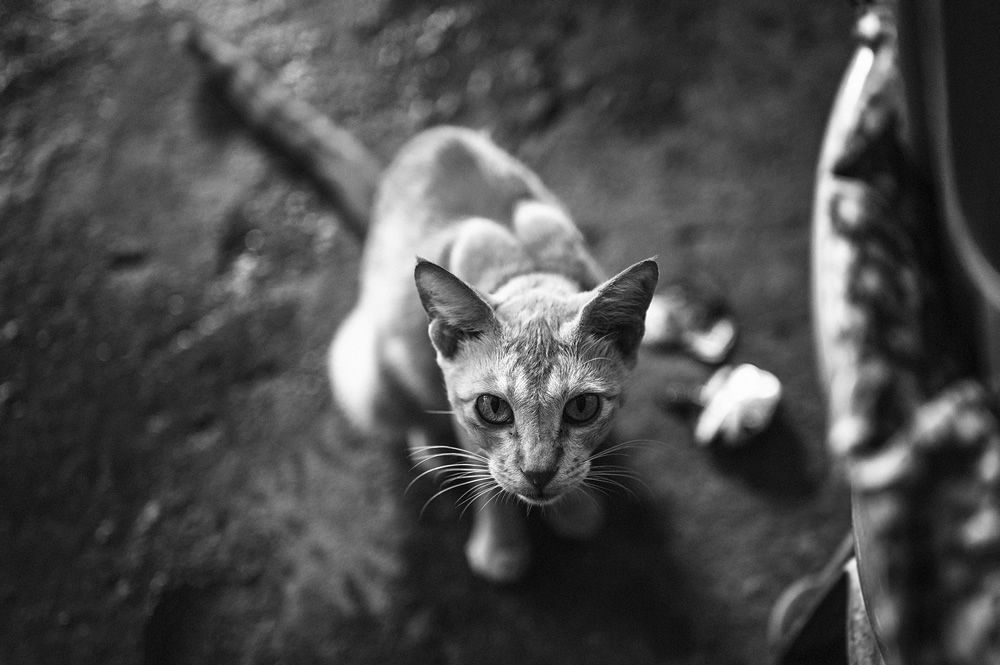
x=457 y=311
x=618 y=312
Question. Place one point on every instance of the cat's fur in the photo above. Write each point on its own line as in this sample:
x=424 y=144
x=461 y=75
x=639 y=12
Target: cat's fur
x=505 y=301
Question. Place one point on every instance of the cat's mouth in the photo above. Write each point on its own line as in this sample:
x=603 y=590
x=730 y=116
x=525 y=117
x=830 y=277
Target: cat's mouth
x=539 y=499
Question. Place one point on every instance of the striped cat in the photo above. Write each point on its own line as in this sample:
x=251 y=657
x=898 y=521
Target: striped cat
x=505 y=325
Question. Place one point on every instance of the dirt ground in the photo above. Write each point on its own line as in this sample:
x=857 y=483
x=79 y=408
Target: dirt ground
x=175 y=484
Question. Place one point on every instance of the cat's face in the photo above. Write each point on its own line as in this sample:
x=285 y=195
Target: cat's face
x=536 y=372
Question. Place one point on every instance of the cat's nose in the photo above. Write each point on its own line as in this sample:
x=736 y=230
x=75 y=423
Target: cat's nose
x=539 y=478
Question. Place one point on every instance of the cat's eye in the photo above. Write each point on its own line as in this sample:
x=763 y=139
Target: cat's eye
x=494 y=410
x=582 y=408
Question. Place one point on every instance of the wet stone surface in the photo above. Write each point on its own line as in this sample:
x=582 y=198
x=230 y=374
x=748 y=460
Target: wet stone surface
x=175 y=484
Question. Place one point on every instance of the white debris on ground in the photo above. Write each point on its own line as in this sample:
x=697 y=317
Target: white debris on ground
x=739 y=402
x=677 y=318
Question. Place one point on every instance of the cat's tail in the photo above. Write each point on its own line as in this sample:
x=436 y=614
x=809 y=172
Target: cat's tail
x=342 y=167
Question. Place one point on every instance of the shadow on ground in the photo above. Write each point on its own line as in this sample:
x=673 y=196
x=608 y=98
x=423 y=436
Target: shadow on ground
x=175 y=485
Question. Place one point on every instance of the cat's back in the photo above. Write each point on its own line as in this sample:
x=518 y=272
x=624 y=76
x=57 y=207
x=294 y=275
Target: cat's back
x=441 y=176
x=439 y=182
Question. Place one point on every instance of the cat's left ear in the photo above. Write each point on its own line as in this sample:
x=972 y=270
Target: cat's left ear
x=457 y=311
x=618 y=311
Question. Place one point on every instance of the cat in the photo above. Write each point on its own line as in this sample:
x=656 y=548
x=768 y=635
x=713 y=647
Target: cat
x=483 y=318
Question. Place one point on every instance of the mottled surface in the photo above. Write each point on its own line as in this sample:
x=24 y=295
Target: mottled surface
x=175 y=485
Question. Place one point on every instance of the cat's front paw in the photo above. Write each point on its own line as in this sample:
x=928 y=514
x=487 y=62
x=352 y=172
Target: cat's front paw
x=498 y=561
x=578 y=516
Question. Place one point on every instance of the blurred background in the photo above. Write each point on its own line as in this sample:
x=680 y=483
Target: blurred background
x=175 y=484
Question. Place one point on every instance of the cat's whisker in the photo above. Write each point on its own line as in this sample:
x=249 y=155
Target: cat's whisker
x=616 y=485
x=468 y=477
x=632 y=443
x=462 y=467
x=453 y=450
x=457 y=464
x=428 y=458
x=477 y=488
x=608 y=452
x=481 y=475
x=476 y=478
x=498 y=493
x=606 y=489
x=475 y=466
x=469 y=495
x=618 y=479
x=614 y=470
x=485 y=491
x=624 y=445
x=418 y=477
x=471 y=485
x=475 y=483
x=433 y=446
x=457 y=452
x=597 y=488
x=582 y=489
x=439 y=413
x=428 y=502
x=604 y=483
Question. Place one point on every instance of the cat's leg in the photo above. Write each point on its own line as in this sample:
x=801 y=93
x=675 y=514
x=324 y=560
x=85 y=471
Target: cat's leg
x=578 y=515
x=498 y=548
